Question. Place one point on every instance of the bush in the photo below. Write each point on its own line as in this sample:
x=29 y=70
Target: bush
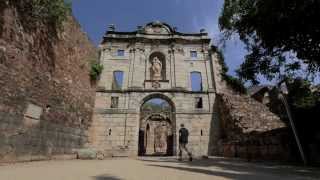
x=96 y=70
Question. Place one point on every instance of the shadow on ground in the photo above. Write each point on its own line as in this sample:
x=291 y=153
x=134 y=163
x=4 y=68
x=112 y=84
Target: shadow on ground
x=105 y=177
x=236 y=169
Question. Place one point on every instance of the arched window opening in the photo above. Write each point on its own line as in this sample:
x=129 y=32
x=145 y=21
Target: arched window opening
x=117 y=80
x=196 y=81
x=156 y=105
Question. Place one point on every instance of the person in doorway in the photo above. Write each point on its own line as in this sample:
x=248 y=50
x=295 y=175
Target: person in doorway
x=183 y=141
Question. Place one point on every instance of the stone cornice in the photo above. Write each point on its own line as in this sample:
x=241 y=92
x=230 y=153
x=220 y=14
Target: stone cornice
x=134 y=111
x=168 y=39
x=140 y=90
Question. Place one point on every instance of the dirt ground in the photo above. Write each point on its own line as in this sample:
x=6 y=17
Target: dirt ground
x=154 y=168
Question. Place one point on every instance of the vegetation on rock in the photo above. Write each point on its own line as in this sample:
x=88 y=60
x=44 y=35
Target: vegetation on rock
x=233 y=82
x=51 y=12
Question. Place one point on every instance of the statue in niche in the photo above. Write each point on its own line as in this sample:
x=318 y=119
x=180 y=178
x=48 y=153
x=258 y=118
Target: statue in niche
x=156 y=69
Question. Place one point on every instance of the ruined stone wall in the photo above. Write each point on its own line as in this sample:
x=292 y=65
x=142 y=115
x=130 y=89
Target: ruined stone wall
x=249 y=130
x=46 y=95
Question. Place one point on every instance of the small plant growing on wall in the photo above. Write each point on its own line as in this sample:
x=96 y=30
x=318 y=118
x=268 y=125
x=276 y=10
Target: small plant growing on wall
x=96 y=70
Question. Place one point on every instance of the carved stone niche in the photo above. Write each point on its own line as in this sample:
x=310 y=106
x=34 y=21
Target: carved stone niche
x=157 y=66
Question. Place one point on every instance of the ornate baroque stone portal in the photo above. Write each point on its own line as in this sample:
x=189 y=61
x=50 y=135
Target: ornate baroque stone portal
x=159 y=68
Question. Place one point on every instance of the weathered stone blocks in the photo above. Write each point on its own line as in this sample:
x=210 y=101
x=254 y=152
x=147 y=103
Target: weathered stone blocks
x=46 y=95
x=251 y=131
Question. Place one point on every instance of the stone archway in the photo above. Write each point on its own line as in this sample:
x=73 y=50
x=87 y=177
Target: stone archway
x=157 y=126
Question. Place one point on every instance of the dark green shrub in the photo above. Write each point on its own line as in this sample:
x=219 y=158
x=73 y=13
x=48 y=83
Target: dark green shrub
x=96 y=70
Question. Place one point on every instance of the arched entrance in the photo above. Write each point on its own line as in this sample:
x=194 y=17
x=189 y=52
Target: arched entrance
x=157 y=126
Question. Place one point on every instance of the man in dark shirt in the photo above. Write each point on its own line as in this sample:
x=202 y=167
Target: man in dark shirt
x=183 y=141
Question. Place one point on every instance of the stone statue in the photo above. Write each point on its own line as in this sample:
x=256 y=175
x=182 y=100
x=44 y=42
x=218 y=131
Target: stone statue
x=156 y=69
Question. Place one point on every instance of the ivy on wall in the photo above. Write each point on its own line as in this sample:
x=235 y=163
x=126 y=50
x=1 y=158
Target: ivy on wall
x=233 y=82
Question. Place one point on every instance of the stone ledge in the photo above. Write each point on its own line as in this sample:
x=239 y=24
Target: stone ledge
x=133 y=111
x=30 y=158
x=156 y=80
x=141 y=90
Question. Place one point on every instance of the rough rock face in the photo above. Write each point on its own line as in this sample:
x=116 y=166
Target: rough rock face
x=46 y=95
x=249 y=115
x=249 y=130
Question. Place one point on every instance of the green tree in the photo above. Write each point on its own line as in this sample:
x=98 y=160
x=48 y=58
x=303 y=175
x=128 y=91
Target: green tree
x=305 y=105
x=301 y=95
x=272 y=31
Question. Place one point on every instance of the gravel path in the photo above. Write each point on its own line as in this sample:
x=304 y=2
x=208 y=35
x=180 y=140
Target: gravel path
x=153 y=168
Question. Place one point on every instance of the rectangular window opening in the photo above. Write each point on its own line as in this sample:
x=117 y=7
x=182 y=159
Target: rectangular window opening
x=117 y=80
x=114 y=102
x=120 y=52
x=193 y=54
x=198 y=103
x=196 y=81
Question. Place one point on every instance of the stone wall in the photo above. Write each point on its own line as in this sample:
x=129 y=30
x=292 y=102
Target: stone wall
x=124 y=122
x=249 y=130
x=46 y=95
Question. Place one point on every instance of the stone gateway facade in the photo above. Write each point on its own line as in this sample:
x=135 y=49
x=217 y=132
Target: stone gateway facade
x=154 y=62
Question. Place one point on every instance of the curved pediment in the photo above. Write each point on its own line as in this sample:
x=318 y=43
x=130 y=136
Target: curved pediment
x=158 y=27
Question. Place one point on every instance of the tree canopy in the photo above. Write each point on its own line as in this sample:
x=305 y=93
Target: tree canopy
x=280 y=35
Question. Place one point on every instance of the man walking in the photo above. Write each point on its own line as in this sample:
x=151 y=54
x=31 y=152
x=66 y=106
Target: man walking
x=183 y=141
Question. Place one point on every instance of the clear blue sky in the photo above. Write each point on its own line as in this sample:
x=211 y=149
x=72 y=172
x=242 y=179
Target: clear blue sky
x=188 y=15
